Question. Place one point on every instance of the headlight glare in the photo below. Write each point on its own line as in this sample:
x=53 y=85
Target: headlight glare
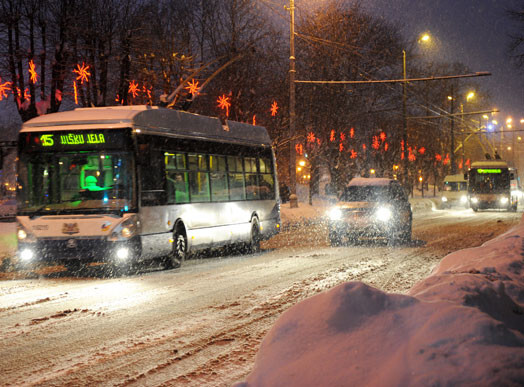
x=463 y=199
x=26 y=255
x=474 y=200
x=444 y=199
x=335 y=213
x=504 y=200
x=383 y=214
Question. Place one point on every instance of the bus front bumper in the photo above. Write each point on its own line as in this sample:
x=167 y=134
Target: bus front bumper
x=82 y=250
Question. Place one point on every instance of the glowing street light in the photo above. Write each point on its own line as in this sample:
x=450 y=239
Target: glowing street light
x=425 y=37
x=509 y=120
x=470 y=96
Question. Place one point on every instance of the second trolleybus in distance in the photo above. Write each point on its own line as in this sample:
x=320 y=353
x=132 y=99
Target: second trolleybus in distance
x=125 y=184
x=489 y=186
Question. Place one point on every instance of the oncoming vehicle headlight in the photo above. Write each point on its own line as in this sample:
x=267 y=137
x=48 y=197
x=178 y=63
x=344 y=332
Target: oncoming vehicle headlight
x=23 y=235
x=474 y=200
x=463 y=199
x=504 y=200
x=444 y=199
x=383 y=214
x=335 y=213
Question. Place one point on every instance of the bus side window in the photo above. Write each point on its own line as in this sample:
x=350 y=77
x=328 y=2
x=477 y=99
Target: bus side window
x=236 y=178
x=219 y=186
x=152 y=180
x=176 y=178
x=198 y=178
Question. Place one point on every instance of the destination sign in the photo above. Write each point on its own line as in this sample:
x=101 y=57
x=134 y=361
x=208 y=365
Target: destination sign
x=80 y=139
x=489 y=170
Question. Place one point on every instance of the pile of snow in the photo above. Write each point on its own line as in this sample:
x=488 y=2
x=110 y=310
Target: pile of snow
x=463 y=325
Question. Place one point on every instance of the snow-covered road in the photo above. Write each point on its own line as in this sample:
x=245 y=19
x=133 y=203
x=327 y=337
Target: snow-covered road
x=202 y=324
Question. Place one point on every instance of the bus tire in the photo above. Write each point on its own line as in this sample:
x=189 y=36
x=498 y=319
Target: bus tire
x=179 y=251
x=255 y=237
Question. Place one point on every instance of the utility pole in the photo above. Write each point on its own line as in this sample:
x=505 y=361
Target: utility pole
x=452 y=152
x=292 y=116
x=404 y=122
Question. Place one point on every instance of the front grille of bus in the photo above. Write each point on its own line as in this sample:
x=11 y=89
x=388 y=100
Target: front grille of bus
x=63 y=249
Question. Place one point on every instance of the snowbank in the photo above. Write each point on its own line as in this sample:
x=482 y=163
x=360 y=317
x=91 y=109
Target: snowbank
x=463 y=325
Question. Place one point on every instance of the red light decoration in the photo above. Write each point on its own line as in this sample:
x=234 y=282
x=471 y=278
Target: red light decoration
x=254 y=119
x=386 y=146
x=311 y=137
x=402 y=145
x=82 y=73
x=353 y=154
x=364 y=146
x=274 y=108
x=351 y=132
x=438 y=157
x=299 y=148
x=192 y=87
x=411 y=155
x=446 y=160
x=318 y=141
x=468 y=162
x=402 y=156
x=76 y=92
x=375 y=144
x=4 y=88
x=342 y=136
x=147 y=91
x=460 y=164
x=382 y=136
x=422 y=150
x=133 y=89
x=340 y=147
x=32 y=72
x=117 y=98
x=223 y=103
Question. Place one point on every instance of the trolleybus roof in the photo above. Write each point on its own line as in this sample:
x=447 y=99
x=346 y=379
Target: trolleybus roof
x=151 y=120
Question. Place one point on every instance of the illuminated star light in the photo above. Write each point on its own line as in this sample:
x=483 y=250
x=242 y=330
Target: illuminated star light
x=223 y=103
x=311 y=137
x=76 y=92
x=82 y=73
x=133 y=89
x=274 y=108
x=32 y=72
x=192 y=87
x=4 y=88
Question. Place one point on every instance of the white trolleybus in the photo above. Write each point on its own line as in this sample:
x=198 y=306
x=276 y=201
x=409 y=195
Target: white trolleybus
x=126 y=184
x=489 y=186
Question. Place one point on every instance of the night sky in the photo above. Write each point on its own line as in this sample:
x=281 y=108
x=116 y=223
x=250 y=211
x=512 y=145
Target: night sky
x=474 y=32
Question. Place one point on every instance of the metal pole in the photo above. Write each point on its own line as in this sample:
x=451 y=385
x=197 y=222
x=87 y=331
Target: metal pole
x=404 y=121
x=452 y=153
x=292 y=151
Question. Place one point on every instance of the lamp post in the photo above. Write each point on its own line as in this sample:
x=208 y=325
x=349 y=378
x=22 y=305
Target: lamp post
x=404 y=122
x=292 y=154
x=452 y=130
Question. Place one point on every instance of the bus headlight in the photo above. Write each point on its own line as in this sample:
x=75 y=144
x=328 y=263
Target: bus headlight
x=129 y=227
x=23 y=235
x=444 y=199
x=474 y=200
x=463 y=199
x=122 y=253
x=504 y=200
x=335 y=213
x=383 y=214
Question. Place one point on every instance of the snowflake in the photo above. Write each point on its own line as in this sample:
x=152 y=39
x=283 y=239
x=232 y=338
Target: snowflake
x=311 y=137
x=192 y=87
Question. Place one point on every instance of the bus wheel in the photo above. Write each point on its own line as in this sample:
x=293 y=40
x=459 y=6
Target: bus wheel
x=178 y=255
x=254 y=242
